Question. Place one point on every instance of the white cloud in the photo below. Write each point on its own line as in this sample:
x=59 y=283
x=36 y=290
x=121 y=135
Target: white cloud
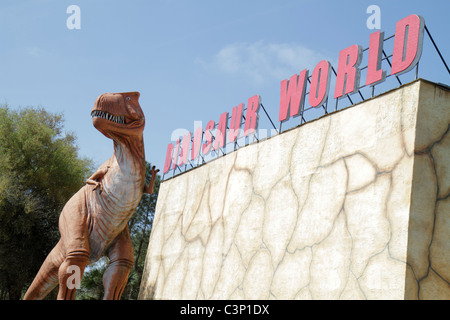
x=261 y=62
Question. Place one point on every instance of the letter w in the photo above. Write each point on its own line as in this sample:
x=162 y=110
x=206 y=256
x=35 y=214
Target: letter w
x=292 y=95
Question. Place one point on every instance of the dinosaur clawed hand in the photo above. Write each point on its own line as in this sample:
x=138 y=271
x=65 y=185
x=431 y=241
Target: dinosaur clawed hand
x=154 y=172
x=98 y=185
x=149 y=188
x=96 y=178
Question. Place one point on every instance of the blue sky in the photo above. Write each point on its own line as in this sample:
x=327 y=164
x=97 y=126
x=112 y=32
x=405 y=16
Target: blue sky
x=190 y=60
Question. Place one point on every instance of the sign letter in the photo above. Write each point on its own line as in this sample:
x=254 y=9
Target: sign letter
x=235 y=126
x=292 y=95
x=251 y=117
x=374 y=72
x=407 y=44
x=175 y=158
x=208 y=136
x=197 y=143
x=169 y=155
x=221 y=131
x=348 y=72
x=320 y=84
x=185 y=149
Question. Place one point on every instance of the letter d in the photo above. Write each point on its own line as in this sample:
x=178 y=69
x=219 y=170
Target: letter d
x=256 y=309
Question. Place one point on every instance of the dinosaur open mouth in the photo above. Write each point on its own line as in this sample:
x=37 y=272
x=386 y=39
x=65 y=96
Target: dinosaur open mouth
x=107 y=116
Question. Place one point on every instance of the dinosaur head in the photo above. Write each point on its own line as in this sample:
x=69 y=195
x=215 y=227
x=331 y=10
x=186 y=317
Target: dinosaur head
x=118 y=115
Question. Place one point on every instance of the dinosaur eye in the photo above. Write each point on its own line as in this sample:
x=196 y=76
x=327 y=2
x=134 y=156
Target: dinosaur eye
x=128 y=98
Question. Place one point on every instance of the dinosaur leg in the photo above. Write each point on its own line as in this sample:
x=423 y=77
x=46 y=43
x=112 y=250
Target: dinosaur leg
x=73 y=225
x=47 y=278
x=121 y=259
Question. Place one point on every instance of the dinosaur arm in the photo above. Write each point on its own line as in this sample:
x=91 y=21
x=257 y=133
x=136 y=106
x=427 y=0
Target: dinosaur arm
x=94 y=179
x=148 y=188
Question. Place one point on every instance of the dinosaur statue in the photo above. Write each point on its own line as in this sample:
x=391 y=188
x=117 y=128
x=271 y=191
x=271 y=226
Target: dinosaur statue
x=93 y=223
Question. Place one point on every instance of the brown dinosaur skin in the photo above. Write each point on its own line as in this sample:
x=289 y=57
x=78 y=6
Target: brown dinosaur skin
x=93 y=223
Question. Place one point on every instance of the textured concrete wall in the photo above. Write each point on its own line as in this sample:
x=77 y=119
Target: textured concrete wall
x=354 y=205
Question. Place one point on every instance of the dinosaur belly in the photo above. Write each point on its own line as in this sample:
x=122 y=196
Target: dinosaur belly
x=111 y=209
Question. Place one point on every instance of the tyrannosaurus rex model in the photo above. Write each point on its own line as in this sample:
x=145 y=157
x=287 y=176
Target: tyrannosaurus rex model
x=93 y=223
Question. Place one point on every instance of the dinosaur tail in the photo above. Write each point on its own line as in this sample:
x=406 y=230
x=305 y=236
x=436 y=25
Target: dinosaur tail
x=47 y=277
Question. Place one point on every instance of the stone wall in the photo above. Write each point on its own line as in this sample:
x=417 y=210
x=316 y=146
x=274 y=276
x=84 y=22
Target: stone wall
x=354 y=205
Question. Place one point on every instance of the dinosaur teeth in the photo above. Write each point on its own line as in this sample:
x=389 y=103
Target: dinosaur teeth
x=107 y=116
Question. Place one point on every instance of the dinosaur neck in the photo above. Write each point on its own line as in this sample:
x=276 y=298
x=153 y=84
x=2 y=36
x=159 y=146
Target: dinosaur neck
x=131 y=147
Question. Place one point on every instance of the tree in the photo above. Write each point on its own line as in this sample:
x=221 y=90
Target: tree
x=40 y=170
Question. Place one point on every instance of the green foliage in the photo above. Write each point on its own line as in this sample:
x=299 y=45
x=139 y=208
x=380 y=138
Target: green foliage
x=92 y=281
x=39 y=171
x=140 y=228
